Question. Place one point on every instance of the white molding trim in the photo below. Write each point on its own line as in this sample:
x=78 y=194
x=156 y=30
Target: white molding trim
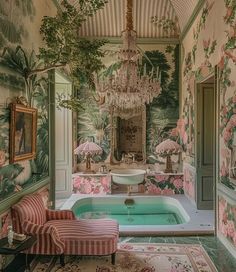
x=226 y=192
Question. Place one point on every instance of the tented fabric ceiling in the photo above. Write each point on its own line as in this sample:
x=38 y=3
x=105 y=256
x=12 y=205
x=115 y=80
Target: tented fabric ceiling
x=110 y=21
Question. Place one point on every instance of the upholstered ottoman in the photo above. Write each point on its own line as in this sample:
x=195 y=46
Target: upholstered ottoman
x=88 y=236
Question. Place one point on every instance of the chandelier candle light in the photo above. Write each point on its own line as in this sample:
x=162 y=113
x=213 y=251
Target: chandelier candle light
x=129 y=89
x=88 y=149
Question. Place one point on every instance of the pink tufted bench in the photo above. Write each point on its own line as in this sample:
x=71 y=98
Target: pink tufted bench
x=59 y=233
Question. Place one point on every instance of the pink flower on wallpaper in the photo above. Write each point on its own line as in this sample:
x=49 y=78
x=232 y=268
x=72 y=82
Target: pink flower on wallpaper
x=186 y=186
x=105 y=181
x=227 y=135
x=206 y=44
x=191 y=190
x=180 y=123
x=221 y=209
x=225 y=217
x=224 y=171
x=187 y=175
x=87 y=188
x=229 y=12
x=230 y=228
x=224 y=110
x=224 y=229
x=178 y=183
x=96 y=190
x=161 y=178
x=234 y=99
x=77 y=182
x=221 y=64
x=152 y=189
x=190 y=146
x=232 y=120
x=225 y=153
x=234 y=239
x=174 y=132
x=167 y=192
x=225 y=120
x=185 y=138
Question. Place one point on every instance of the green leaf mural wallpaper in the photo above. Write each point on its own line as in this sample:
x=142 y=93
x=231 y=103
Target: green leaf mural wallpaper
x=162 y=113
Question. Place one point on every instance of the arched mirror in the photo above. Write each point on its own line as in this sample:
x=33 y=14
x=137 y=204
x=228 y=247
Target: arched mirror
x=128 y=138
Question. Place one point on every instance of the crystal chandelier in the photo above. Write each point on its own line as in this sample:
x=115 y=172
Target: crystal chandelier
x=130 y=88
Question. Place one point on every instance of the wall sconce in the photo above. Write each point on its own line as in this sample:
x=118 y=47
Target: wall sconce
x=166 y=149
x=88 y=149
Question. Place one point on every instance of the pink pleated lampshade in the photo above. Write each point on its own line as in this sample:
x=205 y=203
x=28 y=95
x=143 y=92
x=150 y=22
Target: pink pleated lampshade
x=88 y=148
x=168 y=147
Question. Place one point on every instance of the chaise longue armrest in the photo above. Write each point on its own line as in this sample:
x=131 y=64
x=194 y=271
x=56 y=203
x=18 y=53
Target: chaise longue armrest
x=46 y=234
x=34 y=229
x=59 y=215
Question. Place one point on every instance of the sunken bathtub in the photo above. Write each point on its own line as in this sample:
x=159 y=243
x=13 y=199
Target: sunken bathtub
x=136 y=215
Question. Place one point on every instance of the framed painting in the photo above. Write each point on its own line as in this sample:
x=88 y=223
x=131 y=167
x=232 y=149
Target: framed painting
x=23 y=131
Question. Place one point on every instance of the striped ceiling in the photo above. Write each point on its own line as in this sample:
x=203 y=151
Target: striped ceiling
x=171 y=17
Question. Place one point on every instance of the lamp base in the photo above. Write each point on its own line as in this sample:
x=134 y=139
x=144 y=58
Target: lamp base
x=89 y=171
x=168 y=165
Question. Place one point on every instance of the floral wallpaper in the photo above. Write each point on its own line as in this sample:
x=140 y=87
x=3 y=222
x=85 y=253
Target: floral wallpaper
x=227 y=220
x=18 y=48
x=92 y=184
x=210 y=43
x=189 y=181
x=164 y=184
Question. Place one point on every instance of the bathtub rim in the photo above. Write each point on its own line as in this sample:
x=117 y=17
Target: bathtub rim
x=201 y=221
x=163 y=199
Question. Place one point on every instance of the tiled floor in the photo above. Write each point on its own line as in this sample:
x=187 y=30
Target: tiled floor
x=220 y=256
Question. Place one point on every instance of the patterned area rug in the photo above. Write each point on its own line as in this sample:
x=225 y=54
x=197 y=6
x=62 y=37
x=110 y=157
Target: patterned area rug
x=135 y=258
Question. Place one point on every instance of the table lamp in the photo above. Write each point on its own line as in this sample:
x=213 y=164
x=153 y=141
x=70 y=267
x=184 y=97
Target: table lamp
x=88 y=149
x=166 y=149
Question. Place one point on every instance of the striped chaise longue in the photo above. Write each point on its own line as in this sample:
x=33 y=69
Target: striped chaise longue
x=60 y=233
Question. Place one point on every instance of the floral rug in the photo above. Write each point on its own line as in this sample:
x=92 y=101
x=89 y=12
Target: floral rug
x=135 y=258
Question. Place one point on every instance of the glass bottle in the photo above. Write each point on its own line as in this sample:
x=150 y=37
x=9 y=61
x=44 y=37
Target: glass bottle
x=10 y=235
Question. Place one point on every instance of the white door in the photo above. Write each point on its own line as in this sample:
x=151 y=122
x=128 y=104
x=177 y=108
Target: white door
x=63 y=141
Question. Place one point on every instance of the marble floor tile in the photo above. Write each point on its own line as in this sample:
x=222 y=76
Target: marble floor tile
x=220 y=256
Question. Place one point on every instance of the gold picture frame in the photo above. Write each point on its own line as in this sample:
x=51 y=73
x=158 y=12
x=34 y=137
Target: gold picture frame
x=23 y=131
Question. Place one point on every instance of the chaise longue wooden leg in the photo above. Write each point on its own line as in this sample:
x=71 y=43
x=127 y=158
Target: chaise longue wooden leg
x=62 y=260
x=113 y=258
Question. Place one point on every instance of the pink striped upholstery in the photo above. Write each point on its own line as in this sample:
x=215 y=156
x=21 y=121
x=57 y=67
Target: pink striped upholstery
x=58 y=232
x=88 y=236
x=59 y=215
x=25 y=211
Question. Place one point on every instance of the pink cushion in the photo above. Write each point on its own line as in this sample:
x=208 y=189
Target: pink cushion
x=88 y=236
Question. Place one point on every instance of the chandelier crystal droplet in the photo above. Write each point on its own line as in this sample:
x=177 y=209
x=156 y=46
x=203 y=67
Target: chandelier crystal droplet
x=130 y=88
